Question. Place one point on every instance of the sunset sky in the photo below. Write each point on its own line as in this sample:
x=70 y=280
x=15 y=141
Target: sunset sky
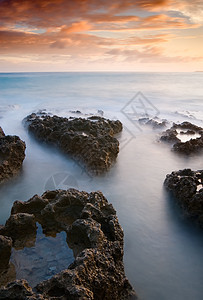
x=101 y=35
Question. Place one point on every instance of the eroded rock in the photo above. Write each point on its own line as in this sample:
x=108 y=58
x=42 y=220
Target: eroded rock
x=5 y=252
x=194 y=145
x=88 y=140
x=12 y=154
x=21 y=228
x=187 y=187
x=20 y=290
x=96 y=238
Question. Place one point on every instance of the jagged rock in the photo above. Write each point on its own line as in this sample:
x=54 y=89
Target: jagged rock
x=88 y=140
x=21 y=228
x=12 y=154
x=5 y=252
x=155 y=123
x=192 y=146
x=170 y=136
x=96 y=238
x=188 y=126
x=19 y=290
x=187 y=187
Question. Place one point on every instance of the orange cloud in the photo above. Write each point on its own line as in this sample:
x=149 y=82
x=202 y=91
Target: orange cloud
x=76 y=27
x=86 y=29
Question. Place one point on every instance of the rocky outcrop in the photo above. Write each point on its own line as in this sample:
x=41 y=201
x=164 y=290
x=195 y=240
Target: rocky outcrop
x=12 y=154
x=93 y=233
x=5 y=252
x=88 y=140
x=155 y=123
x=19 y=289
x=21 y=228
x=193 y=145
x=187 y=187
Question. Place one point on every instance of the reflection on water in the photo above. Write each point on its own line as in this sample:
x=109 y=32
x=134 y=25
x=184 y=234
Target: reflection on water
x=47 y=257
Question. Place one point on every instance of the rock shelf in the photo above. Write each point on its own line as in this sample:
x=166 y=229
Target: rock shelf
x=93 y=233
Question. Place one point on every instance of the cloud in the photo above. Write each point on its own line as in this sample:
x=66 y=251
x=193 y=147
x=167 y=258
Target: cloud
x=93 y=30
x=76 y=27
x=150 y=55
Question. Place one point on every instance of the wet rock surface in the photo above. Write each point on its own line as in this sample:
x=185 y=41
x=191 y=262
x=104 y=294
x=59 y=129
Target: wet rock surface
x=187 y=188
x=193 y=145
x=88 y=140
x=93 y=233
x=12 y=154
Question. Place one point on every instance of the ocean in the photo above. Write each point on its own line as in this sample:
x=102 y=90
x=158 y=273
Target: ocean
x=163 y=250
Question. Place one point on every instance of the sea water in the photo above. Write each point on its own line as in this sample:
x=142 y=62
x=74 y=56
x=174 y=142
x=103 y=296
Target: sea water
x=163 y=250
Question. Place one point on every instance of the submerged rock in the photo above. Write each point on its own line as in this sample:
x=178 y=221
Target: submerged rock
x=191 y=146
x=96 y=238
x=187 y=187
x=88 y=140
x=12 y=154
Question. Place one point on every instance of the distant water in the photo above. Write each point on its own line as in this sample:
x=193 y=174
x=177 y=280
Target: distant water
x=163 y=251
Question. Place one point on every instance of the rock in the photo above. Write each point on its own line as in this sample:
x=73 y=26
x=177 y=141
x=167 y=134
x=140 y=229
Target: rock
x=188 y=126
x=170 y=136
x=5 y=252
x=194 y=145
x=7 y=275
x=12 y=154
x=21 y=228
x=155 y=123
x=20 y=290
x=93 y=233
x=187 y=187
x=75 y=111
x=88 y=140
x=2 y=134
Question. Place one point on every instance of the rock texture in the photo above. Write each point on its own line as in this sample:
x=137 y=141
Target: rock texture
x=94 y=234
x=88 y=140
x=5 y=252
x=155 y=123
x=187 y=187
x=12 y=154
x=192 y=146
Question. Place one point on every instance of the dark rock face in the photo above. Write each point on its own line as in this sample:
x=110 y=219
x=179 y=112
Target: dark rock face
x=88 y=140
x=5 y=252
x=94 y=234
x=187 y=187
x=192 y=146
x=12 y=154
x=19 y=289
x=21 y=228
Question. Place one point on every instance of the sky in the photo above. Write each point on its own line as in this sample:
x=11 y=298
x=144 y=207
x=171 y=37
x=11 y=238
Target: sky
x=101 y=35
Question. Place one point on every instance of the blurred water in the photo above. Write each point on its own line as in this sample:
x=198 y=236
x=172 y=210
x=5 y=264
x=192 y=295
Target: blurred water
x=163 y=251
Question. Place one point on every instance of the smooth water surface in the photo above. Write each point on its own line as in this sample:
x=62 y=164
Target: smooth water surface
x=163 y=251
